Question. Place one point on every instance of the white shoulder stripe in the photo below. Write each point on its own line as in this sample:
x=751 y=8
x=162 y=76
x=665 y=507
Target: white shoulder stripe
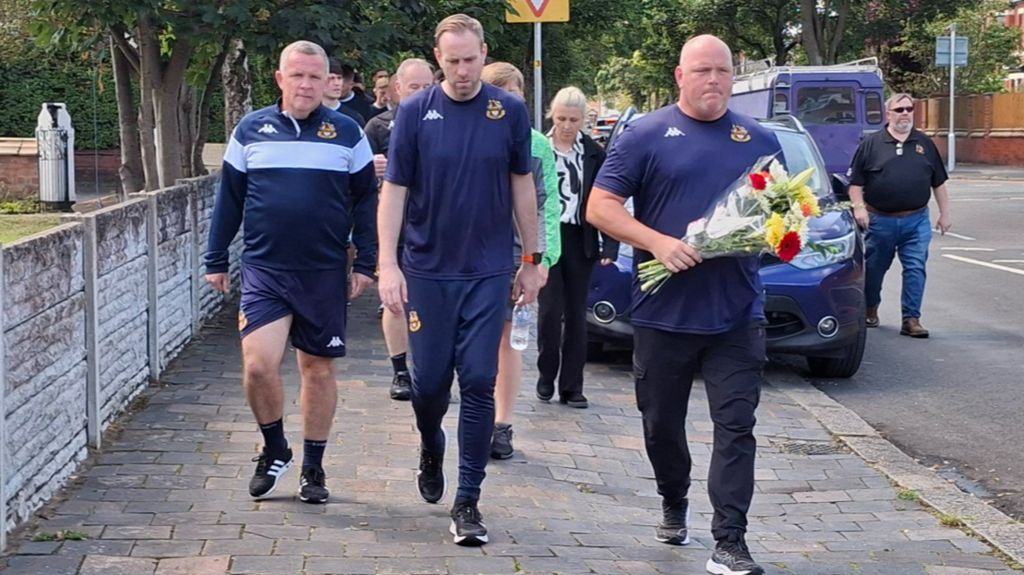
x=299 y=155
x=362 y=154
x=235 y=154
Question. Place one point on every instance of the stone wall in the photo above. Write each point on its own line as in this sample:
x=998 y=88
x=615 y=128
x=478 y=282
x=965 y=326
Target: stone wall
x=92 y=311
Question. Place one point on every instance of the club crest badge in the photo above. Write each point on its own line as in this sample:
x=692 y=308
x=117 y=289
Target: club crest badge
x=739 y=134
x=327 y=131
x=495 y=111
x=414 y=322
x=919 y=149
x=242 y=320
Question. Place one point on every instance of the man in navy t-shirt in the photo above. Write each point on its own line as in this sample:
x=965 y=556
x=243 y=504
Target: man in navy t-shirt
x=458 y=169
x=675 y=163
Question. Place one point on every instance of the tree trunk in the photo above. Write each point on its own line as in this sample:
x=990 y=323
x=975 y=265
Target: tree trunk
x=149 y=71
x=202 y=116
x=186 y=121
x=237 y=86
x=836 y=41
x=811 y=31
x=131 y=172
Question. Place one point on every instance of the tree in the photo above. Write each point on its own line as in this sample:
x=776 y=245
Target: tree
x=822 y=26
x=758 y=28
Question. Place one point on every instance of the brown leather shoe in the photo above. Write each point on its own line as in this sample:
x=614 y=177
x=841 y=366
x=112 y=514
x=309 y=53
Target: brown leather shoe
x=871 y=316
x=912 y=327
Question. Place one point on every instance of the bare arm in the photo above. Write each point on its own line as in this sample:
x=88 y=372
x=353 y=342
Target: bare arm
x=607 y=212
x=389 y=224
x=524 y=204
x=860 y=211
x=945 y=218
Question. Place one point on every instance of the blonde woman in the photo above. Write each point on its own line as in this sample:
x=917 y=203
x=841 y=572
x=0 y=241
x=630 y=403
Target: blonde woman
x=563 y=300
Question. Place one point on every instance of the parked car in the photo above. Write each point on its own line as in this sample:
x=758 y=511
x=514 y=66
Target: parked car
x=814 y=305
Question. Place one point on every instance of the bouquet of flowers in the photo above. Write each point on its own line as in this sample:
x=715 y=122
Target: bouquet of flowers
x=764 y=211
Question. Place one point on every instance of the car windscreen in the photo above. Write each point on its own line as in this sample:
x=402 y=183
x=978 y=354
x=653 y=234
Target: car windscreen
x=801 y=154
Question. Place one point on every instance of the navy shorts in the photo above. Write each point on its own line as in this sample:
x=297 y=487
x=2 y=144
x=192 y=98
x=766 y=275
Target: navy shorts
x=316 y=299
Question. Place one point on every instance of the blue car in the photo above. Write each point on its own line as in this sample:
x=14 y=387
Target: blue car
x=814 y=304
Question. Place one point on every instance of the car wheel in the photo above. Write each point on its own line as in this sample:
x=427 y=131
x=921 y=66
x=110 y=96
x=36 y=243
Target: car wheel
x=843 y=366
x=595 y=351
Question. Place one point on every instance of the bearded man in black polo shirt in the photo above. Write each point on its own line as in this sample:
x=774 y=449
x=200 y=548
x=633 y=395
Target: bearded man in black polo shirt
x=892 y=178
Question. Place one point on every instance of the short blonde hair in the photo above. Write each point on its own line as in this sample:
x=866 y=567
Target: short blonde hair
x=303 y=47
x=458 y=23
x=570 y=96
x=502 y=74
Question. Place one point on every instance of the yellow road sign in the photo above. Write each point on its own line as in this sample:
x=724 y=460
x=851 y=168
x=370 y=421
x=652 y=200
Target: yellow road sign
x=537 y=11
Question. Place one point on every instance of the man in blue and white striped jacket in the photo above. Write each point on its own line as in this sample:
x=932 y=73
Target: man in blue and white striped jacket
x=301 y=176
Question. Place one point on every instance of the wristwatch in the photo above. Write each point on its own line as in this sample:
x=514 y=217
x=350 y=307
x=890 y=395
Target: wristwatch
x=535 y=258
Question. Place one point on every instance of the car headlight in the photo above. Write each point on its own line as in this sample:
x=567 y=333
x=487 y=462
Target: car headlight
x=828 y=252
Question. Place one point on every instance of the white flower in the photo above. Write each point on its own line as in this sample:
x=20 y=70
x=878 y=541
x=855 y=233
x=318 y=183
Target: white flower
x=778 y=173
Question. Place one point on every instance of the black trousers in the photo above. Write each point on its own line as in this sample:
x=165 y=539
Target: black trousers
x=731 y=363
x=564 y=300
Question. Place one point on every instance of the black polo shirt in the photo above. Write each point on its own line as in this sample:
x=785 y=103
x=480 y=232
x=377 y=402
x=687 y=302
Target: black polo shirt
x=897 y=177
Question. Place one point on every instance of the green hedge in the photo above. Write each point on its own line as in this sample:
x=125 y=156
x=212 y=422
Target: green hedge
x=27 y=84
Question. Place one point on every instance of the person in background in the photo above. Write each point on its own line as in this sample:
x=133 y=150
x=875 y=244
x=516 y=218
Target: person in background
x=562 y=324
x=893 y=176
x=335 y=90
x=382 y=95
x=510 y=362
x=413 y=75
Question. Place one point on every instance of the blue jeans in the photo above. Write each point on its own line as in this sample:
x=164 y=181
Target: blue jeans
x=908 y=237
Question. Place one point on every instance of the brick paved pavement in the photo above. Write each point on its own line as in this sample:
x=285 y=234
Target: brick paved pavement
x=168 y=496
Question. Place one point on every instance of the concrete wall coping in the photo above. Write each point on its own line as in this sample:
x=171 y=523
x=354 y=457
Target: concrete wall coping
x=18 y=147
x=47 y=232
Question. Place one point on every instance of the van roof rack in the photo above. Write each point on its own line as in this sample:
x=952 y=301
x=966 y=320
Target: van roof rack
x=747 y=80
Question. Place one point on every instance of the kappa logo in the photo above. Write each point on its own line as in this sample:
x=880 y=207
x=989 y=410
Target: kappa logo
x=336 y=342
x=267 y=129
x=433 y=114
x=674 y=132
x=391 y=125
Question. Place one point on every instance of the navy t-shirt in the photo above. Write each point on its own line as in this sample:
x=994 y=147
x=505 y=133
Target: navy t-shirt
x=675 y=168
x=457 y=160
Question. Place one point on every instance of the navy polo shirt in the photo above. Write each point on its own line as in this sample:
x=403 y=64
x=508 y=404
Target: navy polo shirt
x=675 y=168
x=897 y=176
x=457 y=160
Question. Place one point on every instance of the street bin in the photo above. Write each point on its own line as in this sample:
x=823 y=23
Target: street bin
x=56 y=142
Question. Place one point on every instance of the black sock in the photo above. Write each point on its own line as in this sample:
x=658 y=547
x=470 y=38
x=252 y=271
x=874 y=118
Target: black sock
x=398 y=362
x=313 y=453
x=273 y=437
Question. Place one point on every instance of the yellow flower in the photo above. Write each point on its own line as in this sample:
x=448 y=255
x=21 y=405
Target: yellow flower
x=775 y=228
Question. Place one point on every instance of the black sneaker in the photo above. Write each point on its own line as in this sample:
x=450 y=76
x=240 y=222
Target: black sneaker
x=430 y=479
x=545 y=390
x=468 y=527
x=312 y=488
x=732 y=558
x=401 y=386
x=501 y=441
x=577 y=400
x=674 y=527
x=268 y=472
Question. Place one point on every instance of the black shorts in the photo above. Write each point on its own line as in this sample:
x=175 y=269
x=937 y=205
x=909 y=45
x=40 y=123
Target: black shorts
x=316 y=299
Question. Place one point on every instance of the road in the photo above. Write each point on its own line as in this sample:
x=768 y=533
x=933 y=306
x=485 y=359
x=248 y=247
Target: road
x=956 y=400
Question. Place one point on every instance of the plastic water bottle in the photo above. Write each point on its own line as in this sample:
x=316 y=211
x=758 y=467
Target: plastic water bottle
x=522 y=320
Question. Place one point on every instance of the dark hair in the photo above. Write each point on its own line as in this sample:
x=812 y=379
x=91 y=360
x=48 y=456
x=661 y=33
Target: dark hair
x=334 y=66
x=347 y=71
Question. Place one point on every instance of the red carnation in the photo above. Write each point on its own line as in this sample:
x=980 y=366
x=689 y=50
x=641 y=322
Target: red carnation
x=789 y=246
x=758 y=181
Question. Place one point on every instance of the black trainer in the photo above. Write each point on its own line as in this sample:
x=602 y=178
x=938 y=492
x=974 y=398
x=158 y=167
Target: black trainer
x=545 y=390
x=312 y=485
x=468 y=527
x=732 y=558
x=675 y=523
x=268 y=472
x=501 y=441
x=401 y=386
x=430 y=479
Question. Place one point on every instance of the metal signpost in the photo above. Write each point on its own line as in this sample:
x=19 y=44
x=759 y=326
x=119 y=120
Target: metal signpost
x=944 y=56
x=536 y=12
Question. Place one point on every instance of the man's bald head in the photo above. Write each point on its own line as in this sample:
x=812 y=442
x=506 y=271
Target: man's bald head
x=704 y=77
x=702 y=44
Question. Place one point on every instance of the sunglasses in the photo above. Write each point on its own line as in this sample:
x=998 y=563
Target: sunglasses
x=903 y=110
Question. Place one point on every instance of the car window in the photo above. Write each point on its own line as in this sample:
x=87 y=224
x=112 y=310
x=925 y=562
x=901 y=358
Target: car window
x=781 y=105
x=826 y=105
x=873 y=107
x=801 y=154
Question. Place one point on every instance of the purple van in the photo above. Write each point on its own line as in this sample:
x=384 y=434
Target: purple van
x=838 y=105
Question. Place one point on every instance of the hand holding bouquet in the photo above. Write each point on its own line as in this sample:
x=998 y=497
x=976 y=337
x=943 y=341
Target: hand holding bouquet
x=764 y=211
